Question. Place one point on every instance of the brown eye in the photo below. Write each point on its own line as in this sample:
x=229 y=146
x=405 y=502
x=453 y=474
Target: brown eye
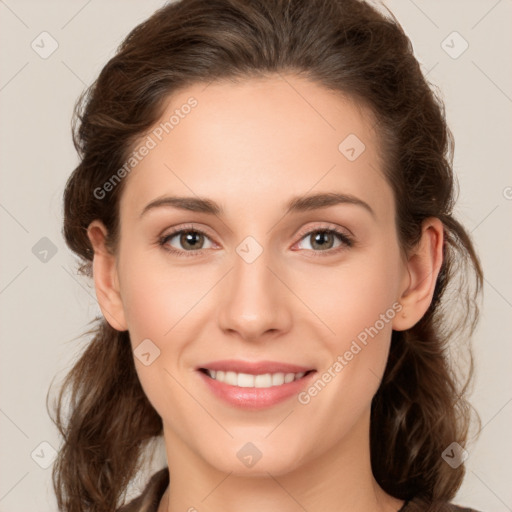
x=325 y=239
x=322 y=240
x=185 y=240
x=191 y=240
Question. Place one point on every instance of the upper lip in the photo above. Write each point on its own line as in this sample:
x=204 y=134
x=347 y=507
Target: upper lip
x=254 y=367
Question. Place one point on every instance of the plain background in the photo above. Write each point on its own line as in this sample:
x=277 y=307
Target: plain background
x=44 y=305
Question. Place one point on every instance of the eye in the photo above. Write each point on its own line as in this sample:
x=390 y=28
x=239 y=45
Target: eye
x=188 y=240
x=325 y=239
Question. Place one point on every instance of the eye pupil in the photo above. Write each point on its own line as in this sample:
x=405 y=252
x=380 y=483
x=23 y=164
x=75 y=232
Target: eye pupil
x=319 y=240
x=190 y=238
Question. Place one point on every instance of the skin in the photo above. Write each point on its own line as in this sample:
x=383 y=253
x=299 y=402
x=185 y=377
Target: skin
x=251 y=147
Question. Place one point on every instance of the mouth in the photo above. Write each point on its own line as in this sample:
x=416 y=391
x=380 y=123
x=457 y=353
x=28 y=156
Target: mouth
x=247 y=380
x=256 y=385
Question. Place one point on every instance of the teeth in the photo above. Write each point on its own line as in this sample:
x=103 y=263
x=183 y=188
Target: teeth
x=246 y=380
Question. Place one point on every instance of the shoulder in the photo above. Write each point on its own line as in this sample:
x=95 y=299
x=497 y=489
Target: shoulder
x=150 y=498
x=421 y=505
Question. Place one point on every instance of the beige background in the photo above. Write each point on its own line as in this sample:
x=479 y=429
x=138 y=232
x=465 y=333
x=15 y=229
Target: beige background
x=45 y=307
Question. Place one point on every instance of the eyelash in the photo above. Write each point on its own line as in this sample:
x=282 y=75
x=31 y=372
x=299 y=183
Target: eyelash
x=346 y=240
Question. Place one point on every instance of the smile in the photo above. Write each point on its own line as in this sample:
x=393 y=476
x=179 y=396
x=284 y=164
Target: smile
x=254 y=385
x=246 y=380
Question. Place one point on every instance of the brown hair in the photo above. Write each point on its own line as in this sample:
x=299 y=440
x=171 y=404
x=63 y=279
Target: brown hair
x=346 y=46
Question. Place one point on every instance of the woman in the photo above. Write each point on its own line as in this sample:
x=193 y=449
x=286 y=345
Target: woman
x=264 y=201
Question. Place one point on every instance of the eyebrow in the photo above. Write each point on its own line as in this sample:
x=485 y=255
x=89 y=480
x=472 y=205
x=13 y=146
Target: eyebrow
x=295 y=205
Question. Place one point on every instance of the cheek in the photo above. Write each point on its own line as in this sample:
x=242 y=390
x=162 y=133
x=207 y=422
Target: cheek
x=157 y=296
x=358 y=306
x=351 y=298
x=159 y=302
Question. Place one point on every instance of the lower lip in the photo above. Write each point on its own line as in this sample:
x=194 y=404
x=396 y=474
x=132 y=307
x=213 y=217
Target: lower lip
x=255 y=398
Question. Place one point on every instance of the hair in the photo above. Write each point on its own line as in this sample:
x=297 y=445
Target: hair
x=347 y=46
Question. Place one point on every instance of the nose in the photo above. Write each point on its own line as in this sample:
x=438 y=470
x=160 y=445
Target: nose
x=255 y=304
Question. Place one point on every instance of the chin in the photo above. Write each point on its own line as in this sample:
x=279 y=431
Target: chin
x=255 y=459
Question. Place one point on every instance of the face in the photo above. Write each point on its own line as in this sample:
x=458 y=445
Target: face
x=247 y=272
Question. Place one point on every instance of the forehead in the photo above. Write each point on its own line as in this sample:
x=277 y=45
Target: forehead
x=257 y=141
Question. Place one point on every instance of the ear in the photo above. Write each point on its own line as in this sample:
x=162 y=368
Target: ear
x=106 y=281
x=423 y=265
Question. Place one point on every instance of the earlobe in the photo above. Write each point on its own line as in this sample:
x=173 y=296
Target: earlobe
x=105 y=277
x=423 y=266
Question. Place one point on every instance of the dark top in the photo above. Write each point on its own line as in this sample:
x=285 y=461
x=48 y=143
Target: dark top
x=150 y=498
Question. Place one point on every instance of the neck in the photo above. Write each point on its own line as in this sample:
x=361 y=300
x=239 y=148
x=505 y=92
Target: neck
x=340 y=479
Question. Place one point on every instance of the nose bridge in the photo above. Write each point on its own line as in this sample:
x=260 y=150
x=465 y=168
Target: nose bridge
x=253 y=297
